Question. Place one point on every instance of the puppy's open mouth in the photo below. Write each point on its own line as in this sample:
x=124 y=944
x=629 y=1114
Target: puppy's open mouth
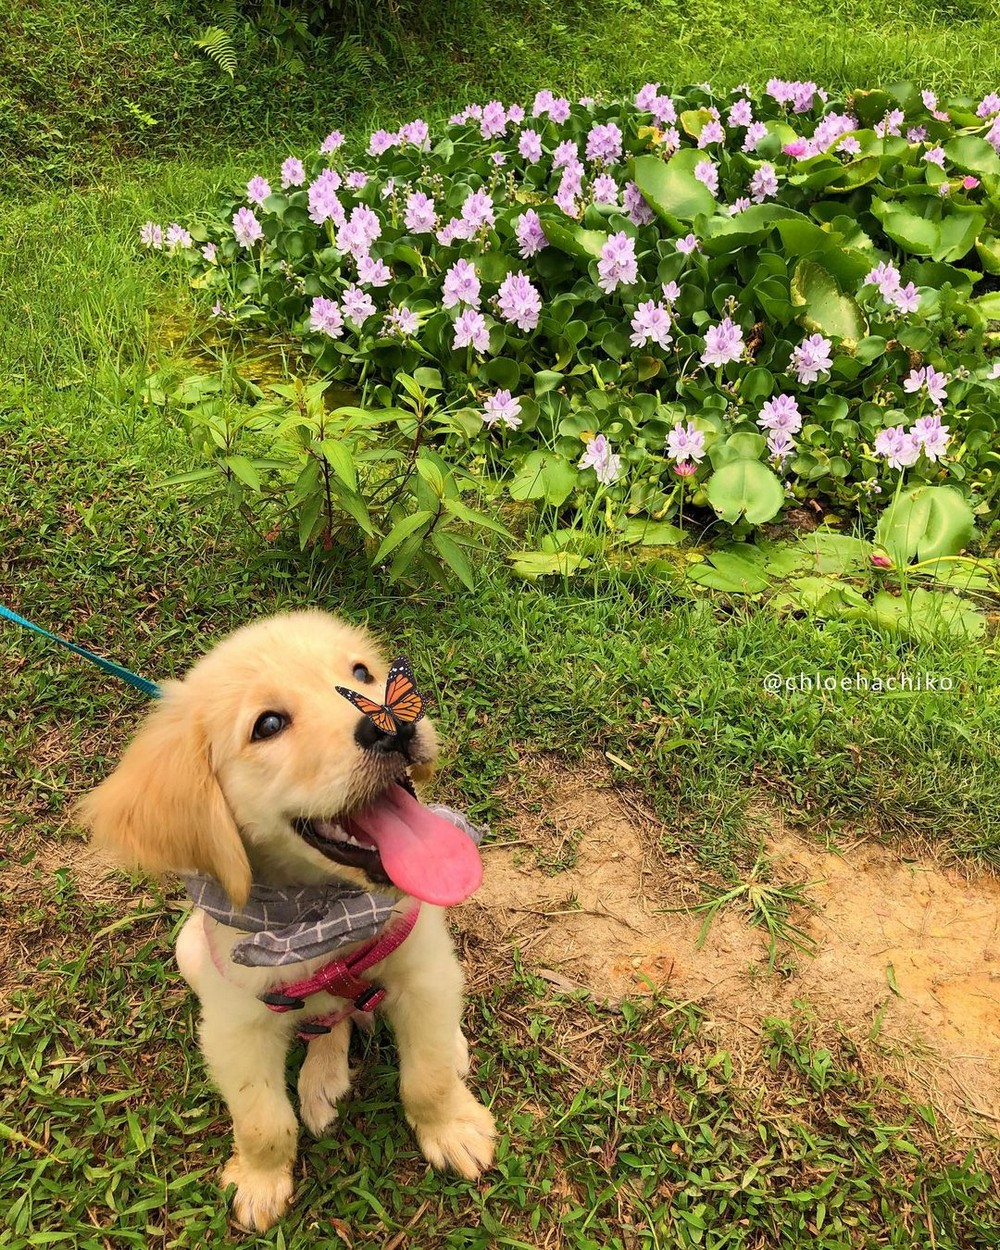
x=395 y=839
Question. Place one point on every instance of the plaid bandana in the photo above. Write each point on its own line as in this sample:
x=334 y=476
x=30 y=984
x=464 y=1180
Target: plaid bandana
x=293 y=923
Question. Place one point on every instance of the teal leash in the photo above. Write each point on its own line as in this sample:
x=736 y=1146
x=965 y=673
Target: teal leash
x=140 y=683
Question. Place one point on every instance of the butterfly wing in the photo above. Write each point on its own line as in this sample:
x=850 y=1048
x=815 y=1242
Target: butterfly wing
x=381 y=716
x=402 y=699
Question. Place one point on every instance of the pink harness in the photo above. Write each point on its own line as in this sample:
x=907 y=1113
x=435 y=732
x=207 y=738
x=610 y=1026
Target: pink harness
x=341 y=978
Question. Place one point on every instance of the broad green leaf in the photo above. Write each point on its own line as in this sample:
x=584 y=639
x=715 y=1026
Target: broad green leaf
x=912 y=232
x=242 y=468
x=338 y=457
x=454 y=557
x=731 y=570
x=958 y=234
x=745 y=488
x=432 y=475
x=480 y=520
x=533 y=564
x=925 y=522
x=924 y=614
x=183 y=479
x=671 y=189
x=972 y=155
x=824 y=307
x=652 y=533
x=402 y=529
x=574 y=240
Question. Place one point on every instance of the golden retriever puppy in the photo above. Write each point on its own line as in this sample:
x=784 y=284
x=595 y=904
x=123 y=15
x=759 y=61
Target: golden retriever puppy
x=257 y=776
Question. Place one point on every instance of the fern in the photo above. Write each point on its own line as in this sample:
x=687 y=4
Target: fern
x=217 y=44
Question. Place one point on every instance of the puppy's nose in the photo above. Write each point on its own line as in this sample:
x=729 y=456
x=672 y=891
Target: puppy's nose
x=369 y=737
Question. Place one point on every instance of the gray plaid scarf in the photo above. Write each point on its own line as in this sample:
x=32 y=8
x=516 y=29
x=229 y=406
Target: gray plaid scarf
x=293 y=923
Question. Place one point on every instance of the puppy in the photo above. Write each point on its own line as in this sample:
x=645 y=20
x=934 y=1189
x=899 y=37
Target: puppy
x=255 y=774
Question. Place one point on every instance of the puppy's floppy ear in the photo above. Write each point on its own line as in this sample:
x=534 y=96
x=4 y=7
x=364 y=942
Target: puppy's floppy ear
x=162 y=809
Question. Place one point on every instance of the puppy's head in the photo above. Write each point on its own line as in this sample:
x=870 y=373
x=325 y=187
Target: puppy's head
x=252 y=766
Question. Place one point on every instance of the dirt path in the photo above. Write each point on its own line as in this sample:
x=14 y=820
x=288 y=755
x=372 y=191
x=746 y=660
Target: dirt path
x=907 y=961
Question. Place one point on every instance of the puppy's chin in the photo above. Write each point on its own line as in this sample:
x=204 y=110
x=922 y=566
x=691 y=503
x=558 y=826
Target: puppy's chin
x=289 y=860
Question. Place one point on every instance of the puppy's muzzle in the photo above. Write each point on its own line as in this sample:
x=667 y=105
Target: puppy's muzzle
x=369 y=737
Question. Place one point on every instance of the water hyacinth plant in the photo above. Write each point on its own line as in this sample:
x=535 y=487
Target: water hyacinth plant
x=685 y=301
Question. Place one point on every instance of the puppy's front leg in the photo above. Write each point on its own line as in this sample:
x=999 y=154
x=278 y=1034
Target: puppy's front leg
x=424 y=1006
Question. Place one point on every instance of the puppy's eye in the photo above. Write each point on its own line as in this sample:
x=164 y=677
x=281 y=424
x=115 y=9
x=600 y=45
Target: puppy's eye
x=360 y=673
x=268 y=724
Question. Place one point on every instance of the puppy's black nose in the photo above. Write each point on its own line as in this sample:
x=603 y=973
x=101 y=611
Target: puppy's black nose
x=369 y=737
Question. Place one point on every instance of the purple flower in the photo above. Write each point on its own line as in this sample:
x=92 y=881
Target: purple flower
x=618 y=264
x=604 y=190
x=498 y=158
x=935 y=156
x=208 y=251
x=177 y=237
x=932 y=381
x=501 y=407
x=916 y=134
x=559 y=110
x=932 y=436
x=706 y=173
x=471 y=331
x=929 y=99
x=258 y=189
x=530 y=235
x=755 y=132
x=567 y=153
x=601 y=459
x=663 y=110
x=477 y=211
x=899 y=448
x=530 y=145
x=651 y=321
x=906 y=298
x=780 y=444
x=402 y=322
x=246 y=228
x=293 y=173
x=740 y=114
x=151 y=235
x=324 y=204
x=811 y=358
x=781 y=413
x=993 y=136
x=515 y=114
x=671 y=292
x=357 y=305
x=739 y=205
x=988 y=106
x=687 y=245
x=331 y=143
x=420 y=216
x=356 y=180
x=604 y=143
x=542 y=103
x=850 y=145
x=519 y=301
x=493 y=121
x=799 y=148
x=381 y=141
x=684 y=442
x=325 y=316
x=723 y=343
x=970 y=183
x=373 y=272
x=711 y=132
x=764 y=183
x=646 y=95
x=416 y=132
x=218 y=310
x=461 y=285
x=891 y=124
x=885 y=276
x=640 y=214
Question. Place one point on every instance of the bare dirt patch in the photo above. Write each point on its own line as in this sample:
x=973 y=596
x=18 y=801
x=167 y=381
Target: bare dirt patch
x=907 y=960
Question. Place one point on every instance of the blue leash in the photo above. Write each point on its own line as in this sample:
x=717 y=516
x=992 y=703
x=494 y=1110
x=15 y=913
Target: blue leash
x=116 y=670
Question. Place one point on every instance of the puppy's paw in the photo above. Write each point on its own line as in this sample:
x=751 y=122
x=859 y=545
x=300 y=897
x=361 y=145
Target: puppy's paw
x=463 y=1141
x=319 y=1091
x=261 y=1198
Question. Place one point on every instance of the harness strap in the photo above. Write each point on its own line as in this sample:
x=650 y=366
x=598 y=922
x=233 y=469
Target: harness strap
x=343 y=978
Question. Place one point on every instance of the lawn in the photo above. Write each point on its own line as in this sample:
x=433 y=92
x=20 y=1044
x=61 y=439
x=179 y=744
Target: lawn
x=632 y=1122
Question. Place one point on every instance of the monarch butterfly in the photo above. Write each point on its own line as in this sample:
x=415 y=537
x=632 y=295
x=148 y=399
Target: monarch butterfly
x=403 y=705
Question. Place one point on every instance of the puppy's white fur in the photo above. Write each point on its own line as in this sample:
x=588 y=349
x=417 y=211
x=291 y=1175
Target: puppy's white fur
x=193 y=792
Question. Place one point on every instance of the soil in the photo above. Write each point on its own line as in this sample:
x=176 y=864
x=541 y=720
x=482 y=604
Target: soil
x=906 y=963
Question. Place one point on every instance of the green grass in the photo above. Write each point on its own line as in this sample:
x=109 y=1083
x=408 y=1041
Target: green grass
x=646 y=1133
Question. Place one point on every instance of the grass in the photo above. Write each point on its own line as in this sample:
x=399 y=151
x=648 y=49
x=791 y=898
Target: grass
x=634 y=1128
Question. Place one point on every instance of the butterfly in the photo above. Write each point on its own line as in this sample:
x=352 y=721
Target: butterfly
x=403 y=705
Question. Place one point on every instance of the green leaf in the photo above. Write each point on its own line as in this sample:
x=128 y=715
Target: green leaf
x=242 y=468
x=824 y=307
x=957 y=235
x=532 y=564
x=182 y=479
x=431 y=474
x=546 y=476
x=402 y=529
x=912 y=232
x=924 y=614
x=972 y=155
x=671 y=189
x=745 y=488
x=454 y=557
x=574 y=240
x=652 y=533
x=338 y=457
x=480 y=520
x=926 y=522
x=733 y=569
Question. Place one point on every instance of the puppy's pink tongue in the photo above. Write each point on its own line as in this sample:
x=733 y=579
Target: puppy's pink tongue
x=428 y=857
